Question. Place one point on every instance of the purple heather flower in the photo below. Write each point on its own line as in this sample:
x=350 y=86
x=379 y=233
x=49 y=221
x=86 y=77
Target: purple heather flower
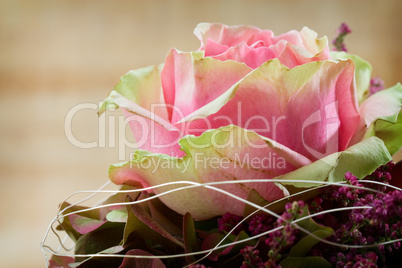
x=251 y=258
x=370 y=226
x=351 y=194
x=381 y=222
x=284 y=238
x=260 y=223
x=387 y=206
x=376 y=84
x=228 y=222
x=342 y=31
x=369 y=260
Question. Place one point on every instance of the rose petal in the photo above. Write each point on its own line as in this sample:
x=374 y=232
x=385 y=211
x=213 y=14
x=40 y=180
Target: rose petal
x=140 y=93
x=152 y=135
x=213 y=48
x=292 y=37
x=142 y=87
x=253 y=57
x=191 y=81
x=384 y=104
x=231 y=35
x=317 y=46
x=362 y=73
x=254 y=46
x=292 y=56
x=151 y=132
x=229 y=153
x=366 y=157
x=381 y=117
x=202 y=81
x=311 y=108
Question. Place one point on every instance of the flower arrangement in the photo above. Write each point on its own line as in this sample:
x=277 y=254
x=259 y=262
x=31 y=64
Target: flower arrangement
x=255 y=150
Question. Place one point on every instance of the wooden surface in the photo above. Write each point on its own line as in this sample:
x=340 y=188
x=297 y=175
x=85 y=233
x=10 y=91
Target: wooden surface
x=57 y=54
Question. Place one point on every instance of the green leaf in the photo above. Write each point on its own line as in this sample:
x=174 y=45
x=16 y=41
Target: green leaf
x=92 y=214
x=140 y=225
x=307 y=242
x=84 y=225
x=310 y=225
x=102 y=262
x=140 y=263
x=60 y=261
x=80 y=222
x=65 y=223
x=164 y=216
x=216 y=238
x=361 y=159
x=118 y=215
x=207 y=225
x=189 y=236
x=120 y=197
x=303 y=247
x=305 y=262
x=107 y=236
x=362 y=73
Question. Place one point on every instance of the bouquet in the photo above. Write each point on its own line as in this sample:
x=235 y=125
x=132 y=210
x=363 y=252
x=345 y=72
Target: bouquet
x=255 y=150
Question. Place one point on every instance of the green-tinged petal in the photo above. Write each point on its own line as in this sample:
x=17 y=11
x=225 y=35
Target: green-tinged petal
x=384 y=105
x=311 y=41
x=140 y=94
x=191 y=81
x=142 y=87
x=381 y=117
x=390 y=132
x=302 y=96
x=361 y=159
x=362 y=73
x=286 y=82
x=225 y=154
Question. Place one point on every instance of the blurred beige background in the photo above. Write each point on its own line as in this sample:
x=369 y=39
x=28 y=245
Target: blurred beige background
x=57 y=54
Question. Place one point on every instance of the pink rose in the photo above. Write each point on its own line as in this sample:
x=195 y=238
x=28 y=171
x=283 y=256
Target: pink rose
x=254 y=46
x=250 y=106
